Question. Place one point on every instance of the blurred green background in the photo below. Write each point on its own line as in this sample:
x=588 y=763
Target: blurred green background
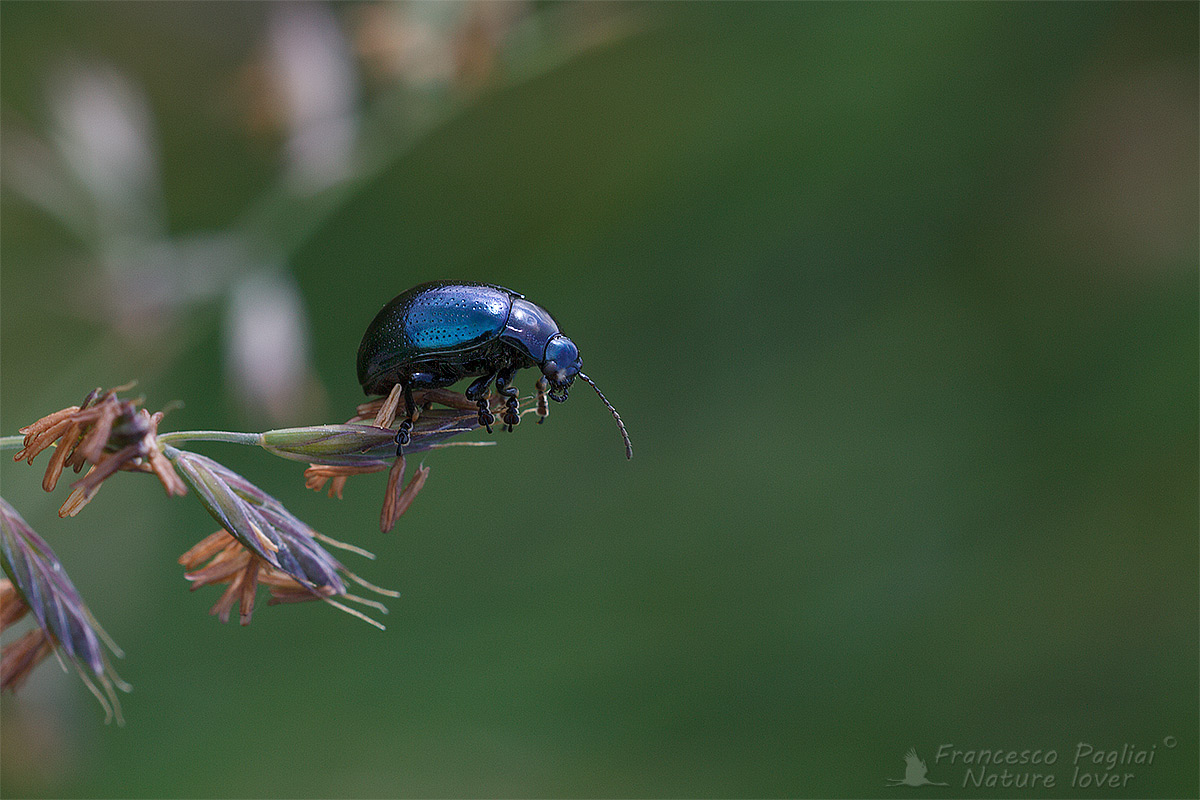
x=899 y=302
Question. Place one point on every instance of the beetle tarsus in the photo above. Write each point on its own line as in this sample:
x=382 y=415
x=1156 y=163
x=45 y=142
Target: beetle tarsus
x=404 y=432
x=403 y=437
x=478 y=392
x=512 y=415
x=486 y=418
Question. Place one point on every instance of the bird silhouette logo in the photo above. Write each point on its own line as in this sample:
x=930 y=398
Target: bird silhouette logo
x=914 y=772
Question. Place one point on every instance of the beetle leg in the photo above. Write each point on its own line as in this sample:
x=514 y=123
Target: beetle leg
x=512 y=416
x=403 y=436
x=543 y=408
x=478 y=392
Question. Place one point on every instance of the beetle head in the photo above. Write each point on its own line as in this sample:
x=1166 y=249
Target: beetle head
x=560 y=365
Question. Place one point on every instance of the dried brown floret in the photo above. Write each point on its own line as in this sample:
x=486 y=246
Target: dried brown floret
x=110 y=434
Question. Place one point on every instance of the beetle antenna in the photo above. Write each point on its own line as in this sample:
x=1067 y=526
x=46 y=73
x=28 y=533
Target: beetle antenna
x=616 y=416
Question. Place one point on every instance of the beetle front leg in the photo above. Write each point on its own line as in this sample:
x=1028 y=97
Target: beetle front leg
x=512 y=416
x=478 y=392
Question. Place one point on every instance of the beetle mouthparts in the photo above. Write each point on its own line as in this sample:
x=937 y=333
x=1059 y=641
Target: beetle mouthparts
x=616 y=416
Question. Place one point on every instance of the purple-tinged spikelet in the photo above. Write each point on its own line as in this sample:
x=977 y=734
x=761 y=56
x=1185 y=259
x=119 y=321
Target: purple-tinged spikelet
x=65 y=624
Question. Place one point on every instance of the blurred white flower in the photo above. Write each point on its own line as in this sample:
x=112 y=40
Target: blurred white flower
x=35 y=172
x=266 y=343
x=1115 y=186
x=431 y=46
x=145 y=283
x=103 y=131
x=311 y=68
x=410 y=43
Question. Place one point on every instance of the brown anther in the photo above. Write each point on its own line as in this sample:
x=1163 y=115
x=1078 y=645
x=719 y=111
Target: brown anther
x=317 y=475
x=206 y=548
x=64 y=450
x=12 y=606
x=232 y=592
x=248 y=585
x=367 y=410
x=297 y=594
x=34 y=428
x=224 y=566
x=243 y=571
x=105 y=413
x=397 y=501
x=387 y=410
x=36 y=442
x=21 y=656
x=337 y=486
x=78 y=498
x=444 y=397
x=242 y=588
x=167 y=475
x=388 y=515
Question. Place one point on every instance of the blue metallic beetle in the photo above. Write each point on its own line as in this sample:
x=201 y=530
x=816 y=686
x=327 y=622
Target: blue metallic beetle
x=440 y=332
